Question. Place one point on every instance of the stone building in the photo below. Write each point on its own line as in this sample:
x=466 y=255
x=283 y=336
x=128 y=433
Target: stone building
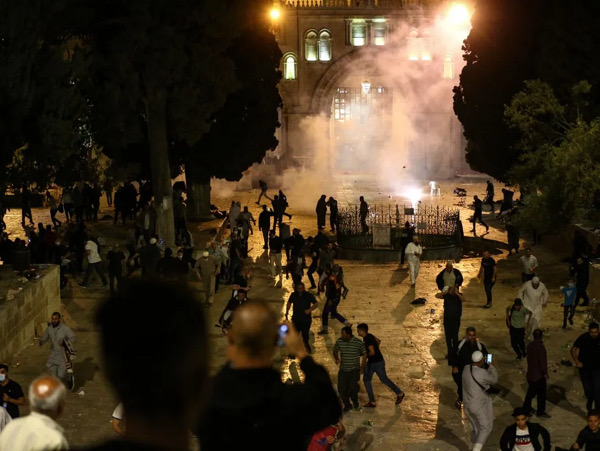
x=367 y=85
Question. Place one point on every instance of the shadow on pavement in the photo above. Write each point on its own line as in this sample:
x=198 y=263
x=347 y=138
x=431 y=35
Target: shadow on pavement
x=84 y=371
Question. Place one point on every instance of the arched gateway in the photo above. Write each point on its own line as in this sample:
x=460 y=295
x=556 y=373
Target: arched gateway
x=372 y=95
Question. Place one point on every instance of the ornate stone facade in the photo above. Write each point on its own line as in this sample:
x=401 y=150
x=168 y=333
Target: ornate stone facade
x=368 y=84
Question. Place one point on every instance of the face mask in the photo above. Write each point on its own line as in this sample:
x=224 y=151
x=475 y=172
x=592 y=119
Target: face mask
x=2 y=377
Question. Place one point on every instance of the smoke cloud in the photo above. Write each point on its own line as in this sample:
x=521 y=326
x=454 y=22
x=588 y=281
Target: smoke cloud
x=405 y=134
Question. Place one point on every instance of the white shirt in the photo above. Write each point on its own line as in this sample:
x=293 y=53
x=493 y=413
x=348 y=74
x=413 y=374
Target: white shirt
x=523 y=442
x=35 y=432
x=93 y=256
x=4 y=418
x=528 y=263
x=412 y=249
x=534 y=298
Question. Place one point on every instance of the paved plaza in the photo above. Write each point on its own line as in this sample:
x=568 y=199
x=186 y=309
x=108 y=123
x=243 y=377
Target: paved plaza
x=412 y=337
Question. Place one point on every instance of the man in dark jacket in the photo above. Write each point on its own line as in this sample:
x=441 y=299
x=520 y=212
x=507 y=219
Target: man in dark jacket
x=264 y=224
x=321 y=211
x=249 y=407
x=581 y=271
x=537 y=373
x=303 y=304
x=461 y=357
x=523 y=432
x=449 y=277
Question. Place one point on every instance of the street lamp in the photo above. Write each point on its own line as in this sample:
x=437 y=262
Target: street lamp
x=275 y=12
x=458 y=14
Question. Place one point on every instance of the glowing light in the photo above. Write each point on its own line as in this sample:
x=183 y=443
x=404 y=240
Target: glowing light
x=275 y=13
x=366 y=87
x=459 y=14
x=413 y=194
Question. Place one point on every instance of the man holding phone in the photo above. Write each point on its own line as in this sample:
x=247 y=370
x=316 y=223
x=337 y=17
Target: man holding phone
x=249 y=407
x=477 y=379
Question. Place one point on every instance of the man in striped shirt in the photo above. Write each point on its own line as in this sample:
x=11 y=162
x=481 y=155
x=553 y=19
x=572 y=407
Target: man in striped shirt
x=350 y=354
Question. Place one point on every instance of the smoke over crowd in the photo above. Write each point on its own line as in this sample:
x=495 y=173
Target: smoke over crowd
x=402 y=131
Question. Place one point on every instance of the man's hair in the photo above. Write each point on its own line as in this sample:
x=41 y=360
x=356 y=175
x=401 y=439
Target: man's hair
x=471 y=329
x=258 y=337
x=593 y=413
x=4 y=367
x=48 y=404
x=347 y=330
x=363 y=326
x=538 y=333
x=155 y=352
x=57 y=314
x=593 y=325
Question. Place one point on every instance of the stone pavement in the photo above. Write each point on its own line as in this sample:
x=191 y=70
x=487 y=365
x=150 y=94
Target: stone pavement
x=412 y=339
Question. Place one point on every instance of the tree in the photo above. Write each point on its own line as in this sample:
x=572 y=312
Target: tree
x=512 y=41
x=559 y=168
x=243 y=130
x=42 y=107
x=156 y=72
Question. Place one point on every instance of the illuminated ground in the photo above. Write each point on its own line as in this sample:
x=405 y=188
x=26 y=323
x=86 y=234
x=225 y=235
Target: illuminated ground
x=413 y=342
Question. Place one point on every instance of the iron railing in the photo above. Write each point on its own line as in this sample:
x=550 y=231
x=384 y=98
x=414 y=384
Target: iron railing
x=436 y=226
x=357 y=4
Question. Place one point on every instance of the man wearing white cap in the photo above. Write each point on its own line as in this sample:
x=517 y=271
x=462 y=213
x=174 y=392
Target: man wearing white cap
x=207 y=268
x=535 y=297
x=477 y=378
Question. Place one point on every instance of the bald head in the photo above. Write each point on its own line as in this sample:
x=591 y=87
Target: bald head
x=254 y=330
x=47 y=396
x=449 y=266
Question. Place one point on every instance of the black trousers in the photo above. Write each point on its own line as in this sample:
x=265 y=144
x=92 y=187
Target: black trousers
x=265 y=233
x=568 y=312
x=487 y=286
x=112 y=276
x=536 y=388
x=303 y=328
x=590 y=379
x=333 y=221
x=311 y=269
x=348 y=387
x=517 y=341
x=476 y=217
x=451 y=329
x=582 y=294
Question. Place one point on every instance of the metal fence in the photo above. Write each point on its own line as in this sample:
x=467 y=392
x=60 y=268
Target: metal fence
x=385 y=4
x=436 y=226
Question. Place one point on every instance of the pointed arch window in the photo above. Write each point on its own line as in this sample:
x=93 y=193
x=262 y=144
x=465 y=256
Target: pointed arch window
x=311 y=46
x=290 y=67
x=324 y=46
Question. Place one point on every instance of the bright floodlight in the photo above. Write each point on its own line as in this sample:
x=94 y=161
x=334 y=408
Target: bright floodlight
x=458 y=14
x=413 y=194
x=275 y=13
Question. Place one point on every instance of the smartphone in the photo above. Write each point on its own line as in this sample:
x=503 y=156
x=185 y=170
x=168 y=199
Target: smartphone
x=283 y=330
x=488 y=359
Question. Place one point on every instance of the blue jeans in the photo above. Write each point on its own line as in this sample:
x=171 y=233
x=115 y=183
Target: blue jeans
x=379 y=369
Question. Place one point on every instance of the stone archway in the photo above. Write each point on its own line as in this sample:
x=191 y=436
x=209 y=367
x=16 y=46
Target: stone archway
x=374 y=133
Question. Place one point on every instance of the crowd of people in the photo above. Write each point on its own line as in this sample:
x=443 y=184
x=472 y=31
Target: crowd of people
x=246 y=403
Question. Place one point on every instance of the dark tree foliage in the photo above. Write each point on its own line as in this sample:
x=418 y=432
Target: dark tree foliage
x=512 y=41
x=41 y=109
x=243 y=130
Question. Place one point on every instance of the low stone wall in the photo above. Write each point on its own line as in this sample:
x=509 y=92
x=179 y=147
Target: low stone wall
x=31 y=306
